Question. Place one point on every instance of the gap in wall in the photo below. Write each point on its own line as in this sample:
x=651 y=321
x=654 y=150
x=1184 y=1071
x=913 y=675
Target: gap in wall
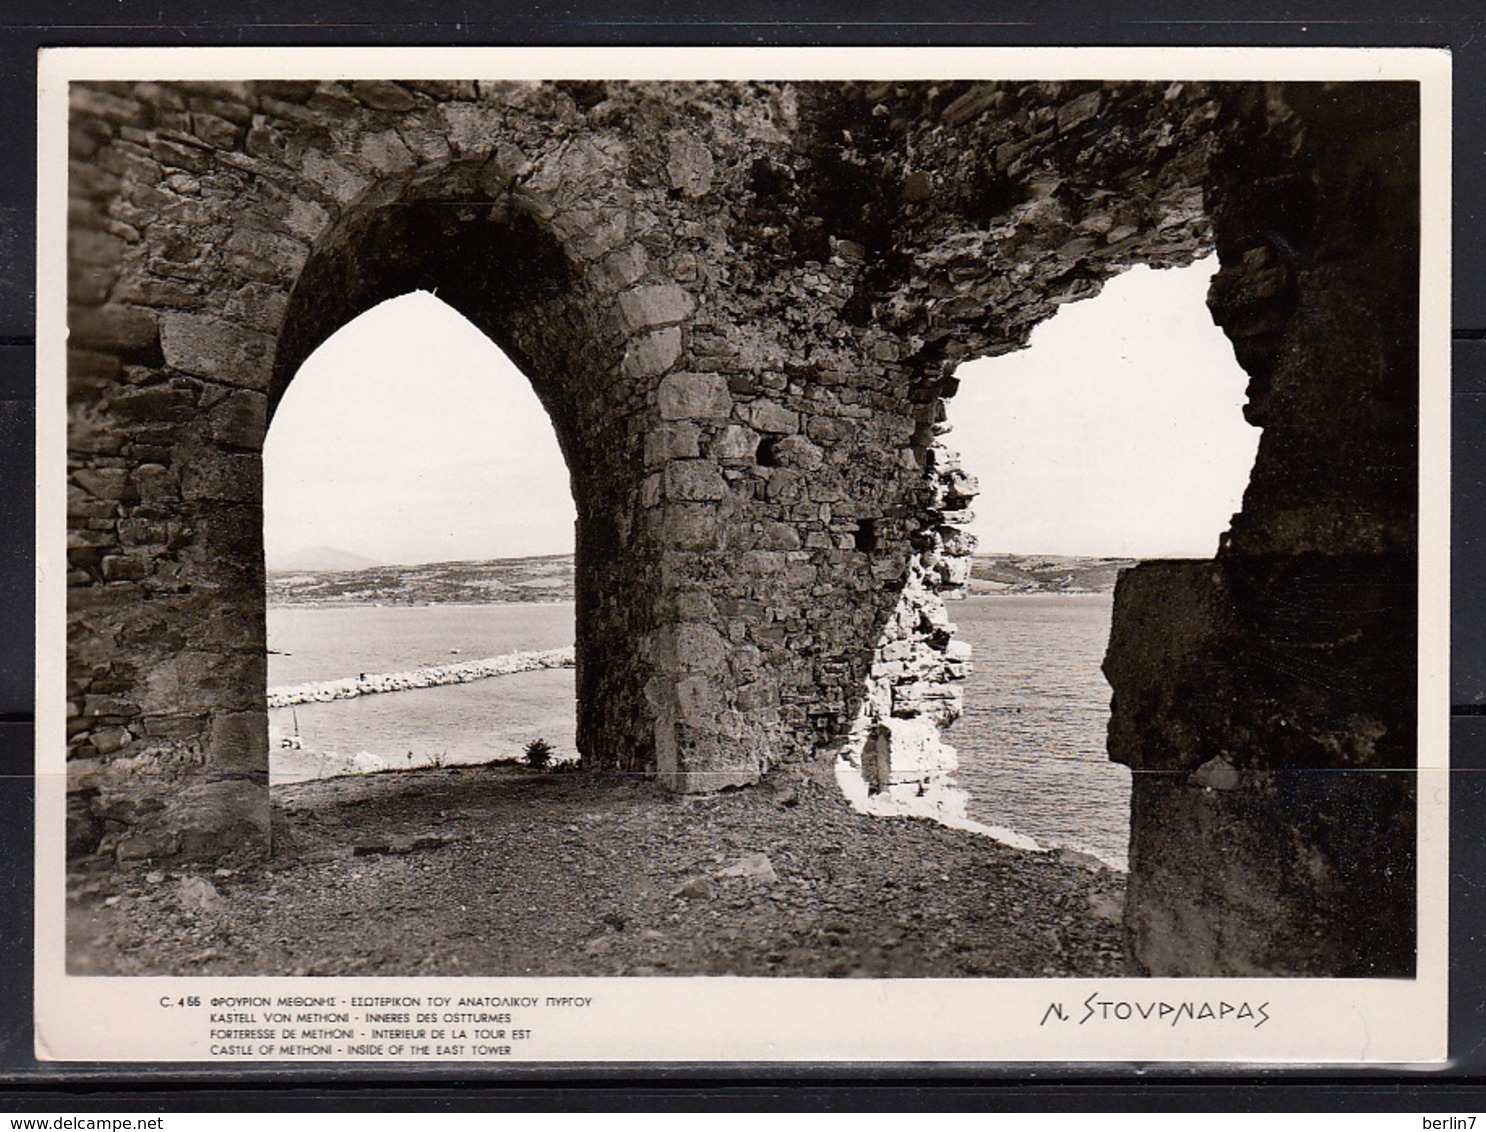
x=1117 y=435
x=417 y=516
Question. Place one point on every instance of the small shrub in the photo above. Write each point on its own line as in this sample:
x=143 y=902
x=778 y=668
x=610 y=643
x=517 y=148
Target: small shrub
x=539 y=754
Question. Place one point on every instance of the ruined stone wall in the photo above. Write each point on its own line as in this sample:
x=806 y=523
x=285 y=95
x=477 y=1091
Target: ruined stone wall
x=742 y=305
x=710 y=289
x=1267 y=701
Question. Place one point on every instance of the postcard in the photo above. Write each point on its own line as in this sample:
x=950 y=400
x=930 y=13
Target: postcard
x=715 y=555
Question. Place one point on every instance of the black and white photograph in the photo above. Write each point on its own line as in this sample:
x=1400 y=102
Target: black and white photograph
x=946 y=527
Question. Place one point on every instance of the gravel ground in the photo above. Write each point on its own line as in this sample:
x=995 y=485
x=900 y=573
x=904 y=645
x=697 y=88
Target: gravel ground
x=498 y=870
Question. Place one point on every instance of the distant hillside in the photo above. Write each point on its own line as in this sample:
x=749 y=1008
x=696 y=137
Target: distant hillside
x=323 y=558
x=548 y=578
x=1044 y=573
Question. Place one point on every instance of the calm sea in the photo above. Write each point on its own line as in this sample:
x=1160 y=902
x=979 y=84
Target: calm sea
x=1031 y=741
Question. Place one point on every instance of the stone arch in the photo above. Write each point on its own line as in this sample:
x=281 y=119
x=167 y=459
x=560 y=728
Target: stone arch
x=271 y=239
x=507 y=274
x=745 y=306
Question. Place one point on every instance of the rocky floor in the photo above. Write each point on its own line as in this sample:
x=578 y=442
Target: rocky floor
x=498 y=870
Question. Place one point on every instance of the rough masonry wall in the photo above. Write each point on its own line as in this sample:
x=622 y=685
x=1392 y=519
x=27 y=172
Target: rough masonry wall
x=742 y=305
x=706 y=285
x=1267 y=701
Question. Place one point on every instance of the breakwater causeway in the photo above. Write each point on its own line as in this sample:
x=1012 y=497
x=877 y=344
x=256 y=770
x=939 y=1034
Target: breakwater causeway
x=430 y=676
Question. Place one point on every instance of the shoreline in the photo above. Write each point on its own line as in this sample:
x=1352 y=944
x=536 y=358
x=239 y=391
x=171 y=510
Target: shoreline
x=278 y=606
x=283 y=697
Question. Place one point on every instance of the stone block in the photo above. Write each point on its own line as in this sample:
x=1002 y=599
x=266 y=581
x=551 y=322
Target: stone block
x=654 y=305
x=651 y=354
x=240 y=420
x=974 y=102
x=90 y=286
x=232 y=812
x=223 y=476
x=693 y=526
x=192 y=155
x=266 y=256
x=674 y=440
x=385 y=152
x=779 y=536
x=217 y=132
x=700 y=647
x=92 y=248
x=382 y=95
x=126 y=332
x=468 y=127
x=426 y=144
x=257 y=306
x=696 y=699
x=825 y=429
x=623 y=267
x=88 y=370
x=153 y=404
x=1080 y=110
x=90 y=102
x=207 y=346
x=80 y=505
x=772 y=417
x=149 y=845
x=124 y=568
x=106 y=741
x=143 y=532
x=107 y=706
x=694 y=480
x=155 y=484
x=341 y=183
x=650 y=491
x=901 y=751
x=734 y=443
x=797 y=452
x=694 y=396
x=689 y=166
x=600 y=231
x=105 y=483
x=784 y=485
x=234 y=106
x=237 y=743
x=307 y=220
x=695 y=605
x=764 y=563
x=917 y=186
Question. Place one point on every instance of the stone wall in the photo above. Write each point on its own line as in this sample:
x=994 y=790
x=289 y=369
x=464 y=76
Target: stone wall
x=742 y=306
x=1267 y=702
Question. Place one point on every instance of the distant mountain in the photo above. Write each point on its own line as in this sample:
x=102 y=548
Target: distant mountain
x=318 y=558
x=497 y=580
x=1044 y=573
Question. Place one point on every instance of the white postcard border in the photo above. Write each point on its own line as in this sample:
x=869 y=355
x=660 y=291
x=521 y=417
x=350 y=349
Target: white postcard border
x=786 y=1020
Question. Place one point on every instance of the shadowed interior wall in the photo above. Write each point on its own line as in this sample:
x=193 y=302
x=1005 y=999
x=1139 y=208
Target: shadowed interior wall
x=742 y=305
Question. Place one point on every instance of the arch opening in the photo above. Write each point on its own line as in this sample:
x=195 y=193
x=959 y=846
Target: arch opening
x=1116 y=436
x=418 y=539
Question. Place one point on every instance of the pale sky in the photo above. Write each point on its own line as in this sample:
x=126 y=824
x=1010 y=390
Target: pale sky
x=1118 y=431
x=408 y=436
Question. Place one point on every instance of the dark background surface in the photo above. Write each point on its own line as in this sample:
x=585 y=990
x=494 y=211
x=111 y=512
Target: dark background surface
x=28 y=25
